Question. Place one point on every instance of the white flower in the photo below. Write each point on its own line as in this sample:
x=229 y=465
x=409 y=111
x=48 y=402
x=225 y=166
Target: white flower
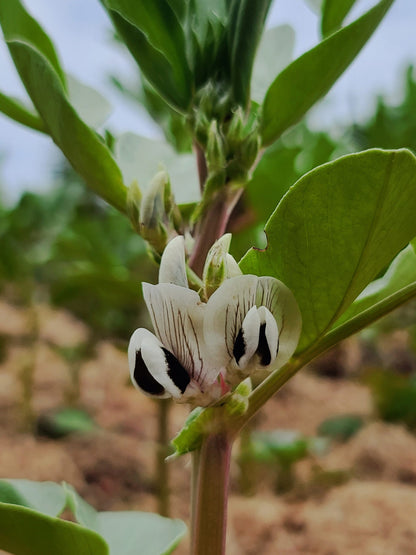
x=248 y=326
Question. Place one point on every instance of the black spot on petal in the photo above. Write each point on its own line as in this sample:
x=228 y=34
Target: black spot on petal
x=239 y=348
x=176 y=371
x=263 y=347
x=144 y=378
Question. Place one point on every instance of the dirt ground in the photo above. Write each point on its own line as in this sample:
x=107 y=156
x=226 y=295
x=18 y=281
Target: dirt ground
x=357 y=497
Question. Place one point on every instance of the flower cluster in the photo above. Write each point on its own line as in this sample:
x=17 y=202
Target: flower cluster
x=250 y=325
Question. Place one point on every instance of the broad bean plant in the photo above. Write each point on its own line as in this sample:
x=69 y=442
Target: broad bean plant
x=227 y=334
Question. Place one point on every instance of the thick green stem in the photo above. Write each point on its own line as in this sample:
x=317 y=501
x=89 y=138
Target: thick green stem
x=209 y=517
x=162 y=473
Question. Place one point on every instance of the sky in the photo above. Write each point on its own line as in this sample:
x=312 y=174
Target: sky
x=82 y=35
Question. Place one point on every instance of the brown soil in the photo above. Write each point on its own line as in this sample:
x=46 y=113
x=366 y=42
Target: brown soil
x=357 y=497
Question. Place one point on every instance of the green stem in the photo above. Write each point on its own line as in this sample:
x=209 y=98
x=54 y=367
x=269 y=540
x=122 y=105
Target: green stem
x=209 y=517
x=213 y=225
x=162 y=451
x=28 y=367
x=19 y=113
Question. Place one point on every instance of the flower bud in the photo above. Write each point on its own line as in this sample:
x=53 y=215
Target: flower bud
x=219 y=265
x=249 y=149
x=134 y=199
x=153 y=216
x=215 y=148
x=235 y=130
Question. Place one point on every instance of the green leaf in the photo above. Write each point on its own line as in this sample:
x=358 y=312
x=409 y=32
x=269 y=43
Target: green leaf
x=16 y=110
x=190 y=436
x=45 y=497
x=24 y=531
x=333 y=14
x=80 y=144
x=335 y=230
x=275 y=52
x=282 y=164
x=140 y=159
x=315 y=5
x=310 y=77
x=398 y=279
x=156 y=39
x=285 y=446
x=65 y=421
x=342 y=427
x=247 y=23
x=17 y=24
x=132 y=532
x=90 y=105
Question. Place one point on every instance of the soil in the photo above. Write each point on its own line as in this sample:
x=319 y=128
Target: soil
x=354 y=497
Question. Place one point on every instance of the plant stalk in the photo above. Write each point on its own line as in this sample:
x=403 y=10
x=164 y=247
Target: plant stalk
x=212 y=226
x=210 y=497
x=162 y=451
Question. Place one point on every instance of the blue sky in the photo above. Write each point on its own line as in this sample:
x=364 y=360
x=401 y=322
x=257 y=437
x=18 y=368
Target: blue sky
x=81 y=32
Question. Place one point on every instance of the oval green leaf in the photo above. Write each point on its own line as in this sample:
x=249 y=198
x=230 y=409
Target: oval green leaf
x=129 y=532
x=24 y=531
x=335 y=230
x=310 y=77
x=46 y=497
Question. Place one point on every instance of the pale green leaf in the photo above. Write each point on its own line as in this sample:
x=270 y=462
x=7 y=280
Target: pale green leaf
x=45 y=497
x=335 y=230
x=275 y=52
x=310 y=77
x=140 y=159
x=90 y=105
x=129 y=532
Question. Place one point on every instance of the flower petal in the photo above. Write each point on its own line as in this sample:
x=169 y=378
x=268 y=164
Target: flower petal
x=177 y=318
x=247 y=340
x=226 y=309
x=154 y=369
x=280 y=301
x=140 y=374
x=172 y=264
x=268 y=337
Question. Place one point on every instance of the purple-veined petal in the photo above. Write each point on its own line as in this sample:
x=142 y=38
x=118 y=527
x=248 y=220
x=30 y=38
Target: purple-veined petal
x=280 y=301
x=177 y=317
x=226 y=309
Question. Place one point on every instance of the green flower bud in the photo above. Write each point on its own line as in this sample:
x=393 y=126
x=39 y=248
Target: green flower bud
x=134 y=199
x=153 y=217
x=219 y=265
x=235 y=131
x=237 y=403
x=215 y=148
x=249 y=149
